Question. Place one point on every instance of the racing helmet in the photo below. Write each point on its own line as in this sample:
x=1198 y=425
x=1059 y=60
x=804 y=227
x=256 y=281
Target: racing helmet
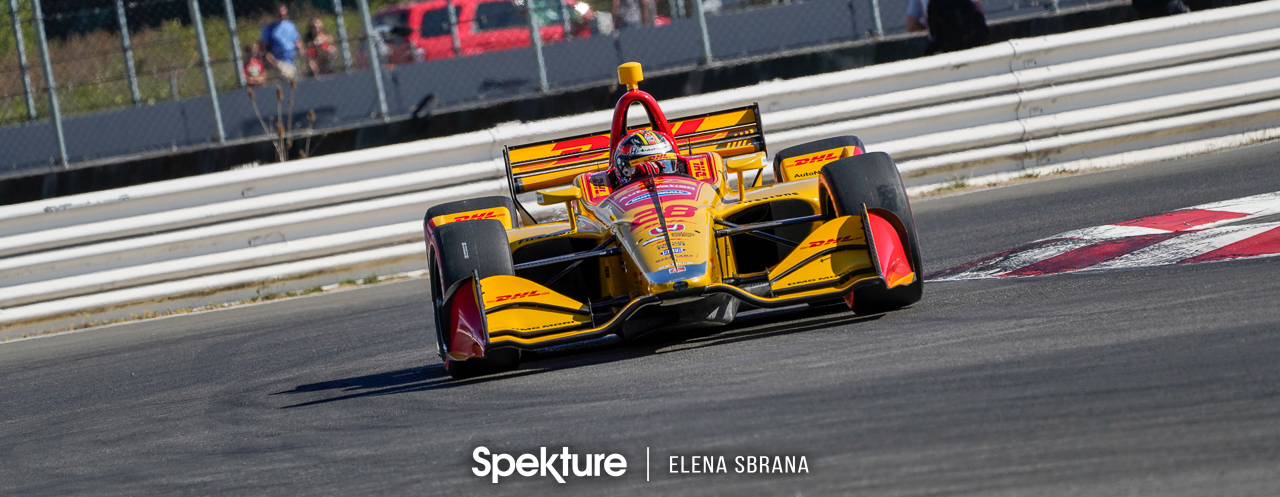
x=644 y=153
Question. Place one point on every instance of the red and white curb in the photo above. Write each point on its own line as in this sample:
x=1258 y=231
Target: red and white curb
x=1208 y=232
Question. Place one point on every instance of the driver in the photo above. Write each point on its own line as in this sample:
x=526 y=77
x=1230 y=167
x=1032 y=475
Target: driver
x=644 y=154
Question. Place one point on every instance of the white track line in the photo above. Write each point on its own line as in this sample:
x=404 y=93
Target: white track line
x=1183 y=247
x=1107 y=232
x=1017 y=260
x=1199 y=239
x=1255 y=206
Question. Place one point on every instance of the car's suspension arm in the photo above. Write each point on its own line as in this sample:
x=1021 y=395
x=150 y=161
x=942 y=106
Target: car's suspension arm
x=598 y=251
x=753 y=229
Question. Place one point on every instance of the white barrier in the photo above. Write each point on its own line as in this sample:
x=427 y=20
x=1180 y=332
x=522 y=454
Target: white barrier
x=126 y=252
x=1011 y=105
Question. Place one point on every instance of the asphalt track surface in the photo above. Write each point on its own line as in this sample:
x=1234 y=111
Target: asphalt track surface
x=1156 y=381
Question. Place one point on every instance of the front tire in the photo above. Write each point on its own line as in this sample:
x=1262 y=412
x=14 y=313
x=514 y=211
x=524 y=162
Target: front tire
x=457 y=250
x=873 y=179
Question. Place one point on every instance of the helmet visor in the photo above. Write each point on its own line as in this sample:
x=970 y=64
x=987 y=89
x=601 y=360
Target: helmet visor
x=654 y=168
x=655 y=158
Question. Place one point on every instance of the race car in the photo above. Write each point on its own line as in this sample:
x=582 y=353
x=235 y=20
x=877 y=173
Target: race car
x=659 y=237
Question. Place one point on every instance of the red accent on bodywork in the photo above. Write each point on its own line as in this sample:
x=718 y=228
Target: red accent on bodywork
x=656 y=118
x=465 y=322
x=579 y=145
x=1089 y=255
x=1265 y=243
x=689 y=127
x=894 y=264
x=1181 y=220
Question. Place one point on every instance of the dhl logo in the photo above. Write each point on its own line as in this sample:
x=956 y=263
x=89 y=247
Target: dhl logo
x=820 y=158
x=734 y=144
x=695 y=141
x=521 y=295
x=829 y=241
x=586 y=149
x=568 y=147
x=478 y=215
x=686 y=127
x=597 y=192
x=698 y=168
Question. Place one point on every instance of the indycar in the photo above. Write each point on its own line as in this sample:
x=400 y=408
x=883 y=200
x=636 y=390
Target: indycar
x=664 y=239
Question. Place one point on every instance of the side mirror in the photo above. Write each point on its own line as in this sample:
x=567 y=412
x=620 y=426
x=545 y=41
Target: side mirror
x=742 y=164
x=559 y=195
x=566 y=195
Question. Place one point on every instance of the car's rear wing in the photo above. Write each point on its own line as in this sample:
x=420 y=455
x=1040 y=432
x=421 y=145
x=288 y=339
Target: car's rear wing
x=552 y=163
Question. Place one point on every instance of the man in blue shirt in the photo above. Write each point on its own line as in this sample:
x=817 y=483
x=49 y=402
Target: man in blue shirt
x=281 y=42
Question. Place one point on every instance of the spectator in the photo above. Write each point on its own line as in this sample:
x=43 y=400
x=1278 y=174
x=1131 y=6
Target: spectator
x=320 y=49
x=281 y=44
x=633 y=13
x=255 y=73
x=379 y=38
x=957 y=24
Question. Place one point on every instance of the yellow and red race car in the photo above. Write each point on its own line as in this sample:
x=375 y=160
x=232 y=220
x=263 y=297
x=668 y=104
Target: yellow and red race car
x=658 y=237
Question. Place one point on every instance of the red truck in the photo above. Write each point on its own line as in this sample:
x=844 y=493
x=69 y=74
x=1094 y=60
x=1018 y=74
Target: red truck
x=420 y=30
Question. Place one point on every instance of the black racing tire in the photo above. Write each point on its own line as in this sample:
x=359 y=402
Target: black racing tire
x=472 y=204
x=458 y=249
x=873 y=179
x=812 y=148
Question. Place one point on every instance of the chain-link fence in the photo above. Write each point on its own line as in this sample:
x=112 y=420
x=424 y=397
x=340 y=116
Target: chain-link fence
x=133 y=76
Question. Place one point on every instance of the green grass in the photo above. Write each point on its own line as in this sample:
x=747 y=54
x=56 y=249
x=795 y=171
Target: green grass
x=955 y=183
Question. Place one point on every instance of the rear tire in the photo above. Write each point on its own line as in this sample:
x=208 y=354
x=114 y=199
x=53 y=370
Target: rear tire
x=873 y=179
x=458 y=249
x=813 y=148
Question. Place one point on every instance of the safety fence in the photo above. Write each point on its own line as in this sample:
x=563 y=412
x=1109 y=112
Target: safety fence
x=1021 y=104
x=147 y=76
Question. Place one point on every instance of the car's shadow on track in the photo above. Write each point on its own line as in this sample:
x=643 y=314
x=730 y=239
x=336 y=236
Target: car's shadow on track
x=755 y=326
x=400 y=381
